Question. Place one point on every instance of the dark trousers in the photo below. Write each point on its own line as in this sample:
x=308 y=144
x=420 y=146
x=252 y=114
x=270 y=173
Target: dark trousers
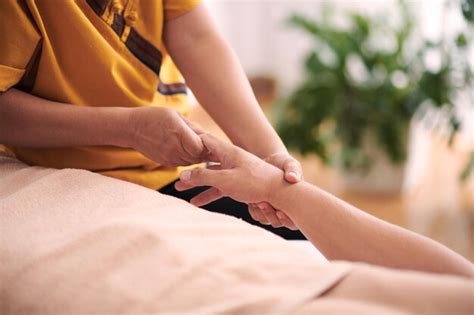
x=229 y=206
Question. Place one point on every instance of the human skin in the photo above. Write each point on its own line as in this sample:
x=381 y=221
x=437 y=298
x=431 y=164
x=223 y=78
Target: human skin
x=339 y=230
x=204 y=58
x=217 y=80
x=30 y=121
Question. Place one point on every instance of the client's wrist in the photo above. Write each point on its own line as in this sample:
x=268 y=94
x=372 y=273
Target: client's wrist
x=275 y=182
x=282 y=194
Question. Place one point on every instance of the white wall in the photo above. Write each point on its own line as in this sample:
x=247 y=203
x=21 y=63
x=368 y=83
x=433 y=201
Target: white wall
x=265 y=45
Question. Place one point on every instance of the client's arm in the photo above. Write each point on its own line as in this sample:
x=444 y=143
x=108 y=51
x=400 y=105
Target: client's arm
x=338 y=229
x=343 y=232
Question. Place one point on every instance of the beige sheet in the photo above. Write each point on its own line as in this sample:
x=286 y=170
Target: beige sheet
x=371 y=290
x=73 y=242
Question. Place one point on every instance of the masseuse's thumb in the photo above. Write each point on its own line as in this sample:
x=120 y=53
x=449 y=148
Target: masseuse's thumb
x=293 y=172
x=192 y=147
x=217 y=149
x=197 y=129
x=203 y=177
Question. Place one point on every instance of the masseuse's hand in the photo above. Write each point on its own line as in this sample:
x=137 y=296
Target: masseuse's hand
x=240 y=175
x=165 y=136
x=263 y=211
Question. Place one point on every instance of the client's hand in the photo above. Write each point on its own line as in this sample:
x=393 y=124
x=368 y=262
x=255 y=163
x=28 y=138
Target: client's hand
x=240 y=175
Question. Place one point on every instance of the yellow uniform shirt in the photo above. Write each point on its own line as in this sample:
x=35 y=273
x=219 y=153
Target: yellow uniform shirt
x=93 y=53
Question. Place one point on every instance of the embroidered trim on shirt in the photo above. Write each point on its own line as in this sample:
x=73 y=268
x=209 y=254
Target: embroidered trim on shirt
x=137 y=44
x=142 y=49
x=119 y=24
x=98 y=6
x=171 y=89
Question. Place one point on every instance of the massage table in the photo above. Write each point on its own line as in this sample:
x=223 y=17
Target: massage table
x=76 y=242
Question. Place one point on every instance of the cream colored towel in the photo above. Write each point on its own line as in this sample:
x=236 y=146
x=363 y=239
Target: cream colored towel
x=74 y=242
x=372 y=290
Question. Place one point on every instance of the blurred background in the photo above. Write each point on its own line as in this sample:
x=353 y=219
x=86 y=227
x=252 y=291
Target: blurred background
x=374 y=97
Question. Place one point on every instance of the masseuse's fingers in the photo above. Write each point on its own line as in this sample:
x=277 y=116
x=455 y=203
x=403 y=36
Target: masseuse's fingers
x=270 y=214
x=285 y=220
x=292 y=169
x=257 y=214
x=197 y=129
x=207 y=196
x=190 y=144
x=219 y=151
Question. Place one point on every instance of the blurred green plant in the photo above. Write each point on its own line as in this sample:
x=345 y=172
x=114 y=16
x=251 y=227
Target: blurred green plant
x=356 y=87
x=467 y=7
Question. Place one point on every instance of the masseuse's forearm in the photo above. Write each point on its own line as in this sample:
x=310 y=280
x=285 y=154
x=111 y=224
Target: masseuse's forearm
x=30 y=121
x=343 y=232
x=214 y=74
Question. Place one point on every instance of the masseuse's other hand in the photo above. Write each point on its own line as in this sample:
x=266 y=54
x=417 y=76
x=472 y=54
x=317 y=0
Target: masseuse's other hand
x=287 y=163
x=263 y=211
x=165 y=136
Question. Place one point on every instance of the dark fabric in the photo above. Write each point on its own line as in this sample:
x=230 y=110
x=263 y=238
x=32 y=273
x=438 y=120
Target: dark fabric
x=172 y=89
x=144 y=51
x=119 y=24
x=231 y=207
x=98 y=6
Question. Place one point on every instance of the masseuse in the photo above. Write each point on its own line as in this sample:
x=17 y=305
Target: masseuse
x=94 y=84
x=339 y=230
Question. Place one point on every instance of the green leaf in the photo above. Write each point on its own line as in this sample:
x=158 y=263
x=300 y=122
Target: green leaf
x=467 y=8
x=330 y=115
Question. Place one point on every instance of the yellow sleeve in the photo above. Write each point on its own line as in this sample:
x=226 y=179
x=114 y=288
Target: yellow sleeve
x=176 y=8
x=18 y=41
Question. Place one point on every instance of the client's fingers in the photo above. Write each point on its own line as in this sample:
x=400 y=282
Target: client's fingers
x=203 y=177
x=181 y=186
x=270 y=214
x=207 y=196
x=286 y=221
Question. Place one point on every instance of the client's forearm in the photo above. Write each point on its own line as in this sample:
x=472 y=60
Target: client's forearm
x=343 y=232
